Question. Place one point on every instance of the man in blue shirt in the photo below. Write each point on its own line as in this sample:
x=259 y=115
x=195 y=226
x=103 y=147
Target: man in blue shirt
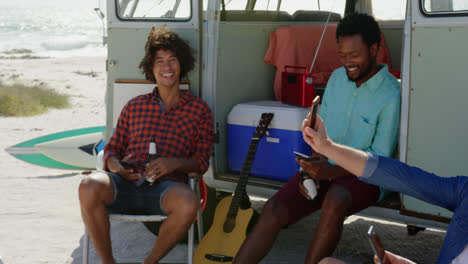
x=361 y=108
x=450 y=193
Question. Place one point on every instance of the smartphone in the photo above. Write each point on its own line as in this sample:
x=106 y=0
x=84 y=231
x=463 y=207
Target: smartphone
x=375 y=244
x=302 y=155
x=126 y=164
x=313 y=111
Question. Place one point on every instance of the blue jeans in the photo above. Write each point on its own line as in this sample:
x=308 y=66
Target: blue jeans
x=450 y=193
x=130 y=199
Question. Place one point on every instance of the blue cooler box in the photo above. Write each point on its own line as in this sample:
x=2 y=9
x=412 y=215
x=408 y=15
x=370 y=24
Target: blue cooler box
x=274 y=158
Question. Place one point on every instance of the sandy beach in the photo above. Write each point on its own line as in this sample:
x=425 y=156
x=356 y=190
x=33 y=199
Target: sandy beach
x=40 y=217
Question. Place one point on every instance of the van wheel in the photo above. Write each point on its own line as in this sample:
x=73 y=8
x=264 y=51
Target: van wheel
x=208 y=215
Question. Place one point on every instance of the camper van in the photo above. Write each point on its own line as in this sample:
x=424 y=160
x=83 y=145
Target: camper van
x=243 y=49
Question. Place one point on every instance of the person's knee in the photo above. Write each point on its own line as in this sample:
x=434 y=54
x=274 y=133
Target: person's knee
x=191 y=205
x=337 y=201
x=274 y=214
x=183 y=203
x=92 y=188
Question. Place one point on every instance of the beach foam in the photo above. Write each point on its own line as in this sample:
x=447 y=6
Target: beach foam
x=51 y=31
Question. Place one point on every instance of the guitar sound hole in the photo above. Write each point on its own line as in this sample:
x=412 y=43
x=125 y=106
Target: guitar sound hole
x=245 y=202
x=229 y=225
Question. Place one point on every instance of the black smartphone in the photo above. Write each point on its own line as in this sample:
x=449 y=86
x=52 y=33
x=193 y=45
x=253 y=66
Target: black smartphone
x=313 y=111
x=375 y=244
x=126 y=164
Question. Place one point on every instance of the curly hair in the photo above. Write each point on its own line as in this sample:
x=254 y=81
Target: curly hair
x=362 y=24
x=163 y=38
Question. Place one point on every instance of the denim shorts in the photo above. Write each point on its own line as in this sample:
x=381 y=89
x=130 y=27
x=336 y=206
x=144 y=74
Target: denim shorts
x=130 y=199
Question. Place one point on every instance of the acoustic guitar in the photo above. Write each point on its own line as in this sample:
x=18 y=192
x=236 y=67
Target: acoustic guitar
x=233 y=213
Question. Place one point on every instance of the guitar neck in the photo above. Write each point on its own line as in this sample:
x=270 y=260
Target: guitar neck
x=243 y=178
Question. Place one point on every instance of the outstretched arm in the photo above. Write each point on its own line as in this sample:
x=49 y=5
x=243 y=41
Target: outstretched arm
x=350 y=159
x=392 y=174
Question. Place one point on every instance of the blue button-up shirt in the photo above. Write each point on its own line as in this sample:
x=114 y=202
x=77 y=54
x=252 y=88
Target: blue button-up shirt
x=365 y=117
x=450 y=193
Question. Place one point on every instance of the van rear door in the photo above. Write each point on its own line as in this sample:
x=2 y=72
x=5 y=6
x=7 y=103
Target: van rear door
x=434 y=94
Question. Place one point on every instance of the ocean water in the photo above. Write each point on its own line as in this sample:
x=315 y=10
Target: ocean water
x=50 y=31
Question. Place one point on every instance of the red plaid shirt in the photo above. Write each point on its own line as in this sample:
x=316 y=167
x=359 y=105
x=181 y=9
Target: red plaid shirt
x=184 y=131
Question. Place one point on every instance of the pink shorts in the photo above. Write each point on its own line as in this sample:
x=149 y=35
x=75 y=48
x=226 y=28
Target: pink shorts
x=363 y=195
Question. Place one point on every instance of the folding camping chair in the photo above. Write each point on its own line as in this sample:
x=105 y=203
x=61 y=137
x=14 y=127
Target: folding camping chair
x=201 y=191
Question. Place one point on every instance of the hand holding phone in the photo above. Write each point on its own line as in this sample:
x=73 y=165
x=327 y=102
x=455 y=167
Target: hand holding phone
x=302 y=156
x=376 y=244
x=126 y=164
x=313 y=111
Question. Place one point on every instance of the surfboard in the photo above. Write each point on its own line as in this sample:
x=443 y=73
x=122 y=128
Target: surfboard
x=71 y=149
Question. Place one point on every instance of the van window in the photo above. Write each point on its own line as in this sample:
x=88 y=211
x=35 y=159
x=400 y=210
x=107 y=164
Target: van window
x=389 y=10
x=445 y=7
x=290 y=6
x=336 y=6
x=278 y=10
x=266 y=5
x=234 y=4
x=154 y=10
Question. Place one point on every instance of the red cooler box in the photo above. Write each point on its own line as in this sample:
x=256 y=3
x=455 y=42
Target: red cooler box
x=274 y=158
